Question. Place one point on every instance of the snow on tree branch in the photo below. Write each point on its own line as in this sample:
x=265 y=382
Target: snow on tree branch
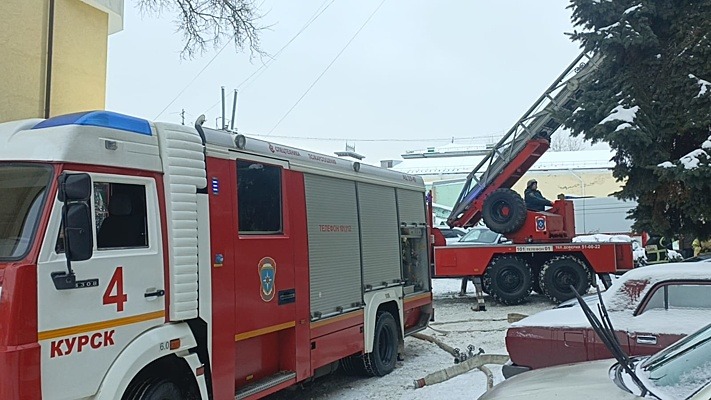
x=693 y=159
x=705 y=85
x=622 y=114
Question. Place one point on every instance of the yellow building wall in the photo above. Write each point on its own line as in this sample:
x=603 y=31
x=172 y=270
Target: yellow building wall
x=79 y=58
x=78 y=71
x=23 y=44
x=595 y=183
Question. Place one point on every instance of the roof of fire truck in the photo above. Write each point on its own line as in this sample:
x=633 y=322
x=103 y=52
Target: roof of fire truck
x=112 y=139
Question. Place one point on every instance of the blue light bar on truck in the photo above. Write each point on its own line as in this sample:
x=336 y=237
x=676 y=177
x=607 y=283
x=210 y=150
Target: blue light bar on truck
x=103 y=119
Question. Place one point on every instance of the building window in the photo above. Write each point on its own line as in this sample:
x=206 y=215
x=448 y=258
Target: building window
x=259 y=198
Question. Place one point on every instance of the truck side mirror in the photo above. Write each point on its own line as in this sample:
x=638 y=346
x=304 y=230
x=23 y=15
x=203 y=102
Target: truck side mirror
x=79 y=241
x=74 y=187
x=75 y=191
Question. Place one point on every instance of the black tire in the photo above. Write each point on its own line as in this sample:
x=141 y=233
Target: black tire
x=381 y=361
x=536 y=276
x=504 y=211
x=508 y=279
x=559 y=273
x=154 y=390
x=353 y=365
x=536 y=283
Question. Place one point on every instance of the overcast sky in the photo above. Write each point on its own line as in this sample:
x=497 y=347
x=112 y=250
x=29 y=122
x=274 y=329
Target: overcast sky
x=418 y=74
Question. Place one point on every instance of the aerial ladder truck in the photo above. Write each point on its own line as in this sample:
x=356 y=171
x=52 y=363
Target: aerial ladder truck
x=542 y=256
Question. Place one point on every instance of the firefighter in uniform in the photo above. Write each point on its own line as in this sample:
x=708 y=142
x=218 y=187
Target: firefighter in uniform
x=533 y=197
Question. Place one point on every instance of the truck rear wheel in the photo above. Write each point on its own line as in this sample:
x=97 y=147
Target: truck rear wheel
x=536 y=283
x=508 y=279
x=381 y=361
x=559 y=273
x=504 y=211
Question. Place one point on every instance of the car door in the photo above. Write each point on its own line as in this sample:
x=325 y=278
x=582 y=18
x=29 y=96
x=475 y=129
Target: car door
x=669 y=312
x=120 y=291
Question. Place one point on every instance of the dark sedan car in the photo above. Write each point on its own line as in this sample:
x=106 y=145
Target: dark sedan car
x=650 y=308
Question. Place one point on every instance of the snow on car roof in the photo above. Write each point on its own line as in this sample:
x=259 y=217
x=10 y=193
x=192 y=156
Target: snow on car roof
x=624 y=296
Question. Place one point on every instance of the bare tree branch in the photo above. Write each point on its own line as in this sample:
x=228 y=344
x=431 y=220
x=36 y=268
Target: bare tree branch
x=561 y=141
x=205 y=22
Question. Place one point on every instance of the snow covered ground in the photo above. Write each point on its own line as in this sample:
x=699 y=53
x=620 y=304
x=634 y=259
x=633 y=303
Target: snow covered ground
x=459 y=327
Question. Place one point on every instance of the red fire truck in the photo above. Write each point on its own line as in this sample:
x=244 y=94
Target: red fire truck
x=542 y=257
x=145 y=260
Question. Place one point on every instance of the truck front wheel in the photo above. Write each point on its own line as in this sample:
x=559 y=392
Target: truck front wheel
x=508 y=279
x=558 y=274
x=154 y=390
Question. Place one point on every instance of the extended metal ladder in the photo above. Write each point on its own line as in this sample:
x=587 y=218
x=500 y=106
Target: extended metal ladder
x=539 y=122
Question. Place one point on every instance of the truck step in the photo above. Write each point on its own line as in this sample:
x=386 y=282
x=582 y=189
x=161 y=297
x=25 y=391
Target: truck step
x=264 y=384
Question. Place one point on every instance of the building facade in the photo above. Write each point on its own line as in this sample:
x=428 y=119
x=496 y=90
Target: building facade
x=55 y=54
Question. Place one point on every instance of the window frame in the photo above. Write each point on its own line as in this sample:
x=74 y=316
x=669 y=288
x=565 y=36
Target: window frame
x=267 y=163
x=48 y=195
x=642 y=308
x=96 y=228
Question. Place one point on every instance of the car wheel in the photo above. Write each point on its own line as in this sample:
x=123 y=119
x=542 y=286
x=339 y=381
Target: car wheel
x=508 y=279
x=504 y=211
x=559 y=273
x=381 y=361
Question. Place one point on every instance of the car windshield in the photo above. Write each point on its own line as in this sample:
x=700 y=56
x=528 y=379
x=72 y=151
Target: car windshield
x=450 y=233
x=683 y=368
x=23 y=190
x=480 y=236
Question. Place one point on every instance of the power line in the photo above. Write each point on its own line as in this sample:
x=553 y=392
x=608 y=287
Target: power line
x=495 y=135
x=266 y=65
x=177 y=96
x=327 y=67
x=447 y=139
x=320 y=10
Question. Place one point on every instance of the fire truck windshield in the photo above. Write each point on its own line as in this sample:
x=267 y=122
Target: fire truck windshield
x=23 y=190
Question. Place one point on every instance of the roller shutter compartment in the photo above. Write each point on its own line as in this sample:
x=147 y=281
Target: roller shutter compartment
x=334 y=248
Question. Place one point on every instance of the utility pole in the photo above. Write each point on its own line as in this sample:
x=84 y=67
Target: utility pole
x=182 y=116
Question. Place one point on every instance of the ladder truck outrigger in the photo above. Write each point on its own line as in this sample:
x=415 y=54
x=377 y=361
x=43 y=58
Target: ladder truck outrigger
x=542 y=256
x=153 y=261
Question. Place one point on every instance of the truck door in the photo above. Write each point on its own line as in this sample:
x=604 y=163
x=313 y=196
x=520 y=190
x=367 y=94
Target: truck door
x=265 y=292
x=82 y=330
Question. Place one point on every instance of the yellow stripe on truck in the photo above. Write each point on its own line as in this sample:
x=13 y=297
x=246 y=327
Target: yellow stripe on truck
x=95 y=326
x=264 y=331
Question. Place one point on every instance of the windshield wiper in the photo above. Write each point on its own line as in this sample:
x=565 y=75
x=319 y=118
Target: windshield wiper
x=605 y=331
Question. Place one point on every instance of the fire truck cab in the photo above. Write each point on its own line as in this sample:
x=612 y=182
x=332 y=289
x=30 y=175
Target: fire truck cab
x=144 y=260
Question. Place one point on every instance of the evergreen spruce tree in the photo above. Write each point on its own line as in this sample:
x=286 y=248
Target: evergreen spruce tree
x=650 y=99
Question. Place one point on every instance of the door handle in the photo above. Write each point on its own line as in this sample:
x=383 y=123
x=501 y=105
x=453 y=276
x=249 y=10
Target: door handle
x=154 y=293
x=647 y=339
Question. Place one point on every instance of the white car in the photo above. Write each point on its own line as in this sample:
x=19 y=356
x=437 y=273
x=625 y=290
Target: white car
x=480 y=236
x=681 y=371
x=452 y=235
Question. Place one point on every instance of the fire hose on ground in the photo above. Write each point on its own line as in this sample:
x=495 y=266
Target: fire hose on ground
x=466 y=364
